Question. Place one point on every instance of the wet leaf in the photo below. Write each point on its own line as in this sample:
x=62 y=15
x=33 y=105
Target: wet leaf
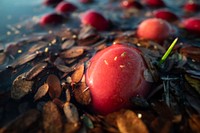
x=128 y=122
x=58 y=102
x=72 y=53
x=71 y=128
x=38 y=46
x=24 y=122
x=68 y=95
x=87 y=121
x=67 y=44
x=52 y=122
x=24 y=59
x=194 y=123
x=21 y=87
x=191 y=52
x=82 y=94
x=41 y=91
x=64 y=68
x=194 y=82
x=54 y=86
x=78 y=74
x=35 y=70
x=71 y=113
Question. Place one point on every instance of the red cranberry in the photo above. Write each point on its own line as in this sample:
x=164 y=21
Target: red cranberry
x=114 y=76
x=131 y=4
x=86 y=1
x=165 y=15
x=154 y=29
x=65 y=7
x=191 y=7
x=51 y=2
x=192 y=24
x=95 y=20
x=154 y=3
x=51 y=18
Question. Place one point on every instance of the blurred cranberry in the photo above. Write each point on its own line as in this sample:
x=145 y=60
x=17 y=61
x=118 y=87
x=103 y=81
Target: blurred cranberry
x=126 y=4
x=65 y=7
x=154 y=3
x=51 y=18
x=165 y=14
x=192 y=24
x=191 y=6
x=154 y=29
x=86 y=1
x=51 y=2
x=95 y=20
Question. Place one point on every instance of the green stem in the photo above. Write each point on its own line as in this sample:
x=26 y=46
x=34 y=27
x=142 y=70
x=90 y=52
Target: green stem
x=168 y=51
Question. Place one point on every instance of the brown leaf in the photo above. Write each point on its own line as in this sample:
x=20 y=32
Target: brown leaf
x=78 y=74
x=71 y=128
x=64 y=68
x=67 y=44
x=194 y=82
x=41 y=91
x=24 y=59
x=21 y=87
x=194 y=123
x=52 y=122
x=2 y=58
x=128 y=122
x=71 y=113
x=38 y=46
x=82 y=94
x=72 y=53
x=35 y=70
x=191 y=52
x=54 y=86
x=23 y=123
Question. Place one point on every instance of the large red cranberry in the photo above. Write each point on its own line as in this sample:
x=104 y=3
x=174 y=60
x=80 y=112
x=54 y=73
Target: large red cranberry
x=65 y=7
x=154 y=3
x=95 y=20
x=126 y=4
x=154 y=29
x=165 y=14
x=191 y=6
x=51 y=18
x=192 y=24
x=114 y=76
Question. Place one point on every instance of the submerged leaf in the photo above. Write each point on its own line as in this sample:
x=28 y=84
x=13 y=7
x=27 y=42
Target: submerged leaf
x=194 y=82
x=128 y=122
x=41 y=91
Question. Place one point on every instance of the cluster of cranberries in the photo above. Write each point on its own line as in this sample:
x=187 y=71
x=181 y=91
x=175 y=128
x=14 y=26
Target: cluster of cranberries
x=116 y=74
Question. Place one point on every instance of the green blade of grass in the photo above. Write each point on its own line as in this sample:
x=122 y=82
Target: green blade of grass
x=164 y=57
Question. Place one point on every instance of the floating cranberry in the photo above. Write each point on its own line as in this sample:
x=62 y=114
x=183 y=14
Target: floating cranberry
x=191 y=6
x=154 y=3
x=192 y=24
x=65 y=7
x=115 y=75
x=154 y=29
x=165 y=14
x=51 y=2
x=95 y=20
x=86 y=1
x=126 y=4
x=51 y=18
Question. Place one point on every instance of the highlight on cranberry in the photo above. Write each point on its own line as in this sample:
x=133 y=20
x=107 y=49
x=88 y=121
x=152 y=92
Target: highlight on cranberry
x=192 y=24
x=165 y=14
x=95 y=19
x=126 y=4
x=154 y=3
x=191 y=6
x=50 y=19
x=65 y=7
x=51 y=2
x=154 y=29
x=115 y=75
